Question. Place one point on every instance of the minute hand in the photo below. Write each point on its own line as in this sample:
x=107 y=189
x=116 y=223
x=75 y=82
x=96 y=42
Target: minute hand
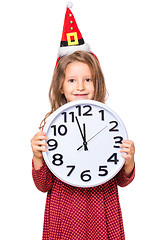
x=83 y=136
x=92 y=137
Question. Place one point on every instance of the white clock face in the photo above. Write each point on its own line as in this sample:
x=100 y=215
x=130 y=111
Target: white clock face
x=84 y=143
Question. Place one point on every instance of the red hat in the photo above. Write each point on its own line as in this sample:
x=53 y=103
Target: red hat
x=72 y=39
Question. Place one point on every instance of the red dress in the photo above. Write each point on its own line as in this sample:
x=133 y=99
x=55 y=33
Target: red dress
x=73 y=213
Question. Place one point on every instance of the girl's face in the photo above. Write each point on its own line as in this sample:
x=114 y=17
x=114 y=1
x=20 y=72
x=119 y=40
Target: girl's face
x=78 y=82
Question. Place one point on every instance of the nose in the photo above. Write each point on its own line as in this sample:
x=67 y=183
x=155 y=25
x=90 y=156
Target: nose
x=80 y=86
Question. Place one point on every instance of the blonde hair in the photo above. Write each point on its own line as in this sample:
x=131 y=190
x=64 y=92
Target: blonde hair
x=56 y=97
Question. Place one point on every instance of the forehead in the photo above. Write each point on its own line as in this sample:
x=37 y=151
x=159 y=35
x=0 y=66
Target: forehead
x=77 y=68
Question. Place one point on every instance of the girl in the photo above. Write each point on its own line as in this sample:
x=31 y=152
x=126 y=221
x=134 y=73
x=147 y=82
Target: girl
x=72 y=212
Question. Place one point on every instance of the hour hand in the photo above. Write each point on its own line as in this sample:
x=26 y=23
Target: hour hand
x=83 y=136
x=84 y=132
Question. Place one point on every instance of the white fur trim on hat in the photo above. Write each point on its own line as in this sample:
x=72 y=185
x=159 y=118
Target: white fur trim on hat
x=70 y=49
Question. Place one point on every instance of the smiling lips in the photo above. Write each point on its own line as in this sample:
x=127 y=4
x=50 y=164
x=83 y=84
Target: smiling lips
x=80 y=94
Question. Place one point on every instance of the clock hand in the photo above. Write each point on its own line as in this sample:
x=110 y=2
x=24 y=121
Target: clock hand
x=92 y=137
x=84 y=141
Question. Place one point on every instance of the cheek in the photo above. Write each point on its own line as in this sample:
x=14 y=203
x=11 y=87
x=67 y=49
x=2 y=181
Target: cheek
x=92 y=88
x=61 y=86
x=65 y=89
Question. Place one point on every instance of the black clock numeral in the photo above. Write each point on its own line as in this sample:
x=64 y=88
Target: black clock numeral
x=114 y=129
x=85 y=176
x=118 y=142
x=72 y=168
x=57 y=159
x=71 y=115
x=88 y=110
x=65 y=116
x=62 y=130
x=113 y=158
x=102 y=114
x=79 y=110
x=87 y=113
x=52 y=144
x=104 y=170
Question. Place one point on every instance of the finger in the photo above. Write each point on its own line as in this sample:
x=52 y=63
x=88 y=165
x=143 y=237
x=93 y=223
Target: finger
x=40 y=149
x=41 y=133
x=126 y=156
x=129 y=142
x=125 y=145
x=41 y=143
x=125 y=150
x=41 y=137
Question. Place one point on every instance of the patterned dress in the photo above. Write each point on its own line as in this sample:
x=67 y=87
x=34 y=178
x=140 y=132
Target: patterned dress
x=73 y=213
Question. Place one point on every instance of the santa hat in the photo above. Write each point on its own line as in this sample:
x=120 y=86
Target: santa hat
x=72 y=39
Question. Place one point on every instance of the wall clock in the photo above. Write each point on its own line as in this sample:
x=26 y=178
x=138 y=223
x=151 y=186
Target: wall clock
x=84 y=143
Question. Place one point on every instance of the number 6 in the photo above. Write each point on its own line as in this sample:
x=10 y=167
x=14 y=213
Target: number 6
x=84 y=176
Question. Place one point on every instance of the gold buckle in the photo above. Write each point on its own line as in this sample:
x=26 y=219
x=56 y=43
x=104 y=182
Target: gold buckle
x=69 y=35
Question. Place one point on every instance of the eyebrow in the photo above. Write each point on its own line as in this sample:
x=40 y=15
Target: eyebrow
x=73 y=77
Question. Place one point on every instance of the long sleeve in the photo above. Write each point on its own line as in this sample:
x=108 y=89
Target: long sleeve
x=42 y=178
x=122 y=180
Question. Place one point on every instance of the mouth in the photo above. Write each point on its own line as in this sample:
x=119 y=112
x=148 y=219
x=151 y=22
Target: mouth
x=81 y=95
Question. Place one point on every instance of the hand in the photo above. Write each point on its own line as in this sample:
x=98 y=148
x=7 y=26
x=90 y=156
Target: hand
x=128 y=150
x=38 y=145
x=83 y=136
x=92 y=137
x=84 y=132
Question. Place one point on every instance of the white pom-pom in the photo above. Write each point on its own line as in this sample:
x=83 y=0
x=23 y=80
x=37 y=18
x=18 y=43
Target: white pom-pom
x=69 y=4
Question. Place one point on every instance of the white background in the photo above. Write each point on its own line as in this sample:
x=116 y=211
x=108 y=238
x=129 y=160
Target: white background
x=124 y=34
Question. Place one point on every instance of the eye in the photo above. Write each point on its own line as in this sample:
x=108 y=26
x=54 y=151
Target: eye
x=71 y=80
x=88 y=80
